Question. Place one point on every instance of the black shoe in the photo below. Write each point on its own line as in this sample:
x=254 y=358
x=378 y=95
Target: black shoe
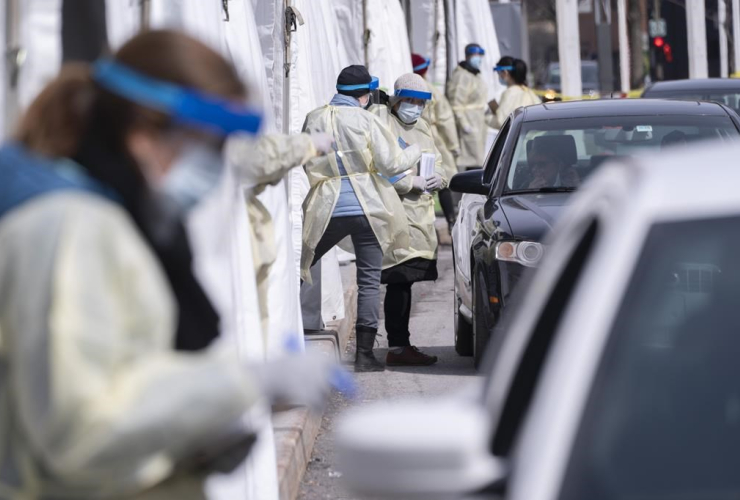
x=365 y=360
x=410 y=356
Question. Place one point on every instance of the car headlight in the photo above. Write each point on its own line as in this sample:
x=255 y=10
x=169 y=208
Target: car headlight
x=526 y=253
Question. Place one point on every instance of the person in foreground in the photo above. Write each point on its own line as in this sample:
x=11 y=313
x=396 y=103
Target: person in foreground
x=112 y=385
x=419 y=261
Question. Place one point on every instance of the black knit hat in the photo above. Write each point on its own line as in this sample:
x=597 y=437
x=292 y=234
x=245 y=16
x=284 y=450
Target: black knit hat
x=354 y=75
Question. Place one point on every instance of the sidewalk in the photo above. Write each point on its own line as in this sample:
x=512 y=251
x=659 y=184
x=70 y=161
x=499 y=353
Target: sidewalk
x=296 y=429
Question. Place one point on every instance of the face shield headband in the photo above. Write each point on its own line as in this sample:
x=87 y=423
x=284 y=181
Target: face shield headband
x=475 y=50
x=498 y=69
x=371 y=85
x=414 y=94
x=188 y=107
x=423 y=65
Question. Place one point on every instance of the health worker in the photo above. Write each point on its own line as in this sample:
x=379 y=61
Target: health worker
x=513 y=74
x=416 y=188
x=112 y=387
x=438 y=113
x=348 y=198
x=468 y=95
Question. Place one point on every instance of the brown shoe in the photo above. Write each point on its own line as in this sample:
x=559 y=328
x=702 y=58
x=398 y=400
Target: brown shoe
x=410 y=356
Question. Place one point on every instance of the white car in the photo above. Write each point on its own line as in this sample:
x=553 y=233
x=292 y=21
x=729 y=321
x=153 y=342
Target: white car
x=618 y=376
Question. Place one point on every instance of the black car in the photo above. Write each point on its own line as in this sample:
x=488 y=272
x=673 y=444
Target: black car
x=541 y=155
x=722 y=90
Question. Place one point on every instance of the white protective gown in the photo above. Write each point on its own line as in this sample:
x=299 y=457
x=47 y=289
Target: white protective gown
x=94 y=401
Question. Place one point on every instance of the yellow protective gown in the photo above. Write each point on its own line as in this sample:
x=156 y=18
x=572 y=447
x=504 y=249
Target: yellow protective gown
x=439 y=115
x=94 y=402
x=419 y=207
x=257 y=163
x=468 y=97
x=513 y=97
x=367 y=148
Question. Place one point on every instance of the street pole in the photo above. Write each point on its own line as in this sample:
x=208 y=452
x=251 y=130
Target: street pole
x=697 y=38
x=624 y=47
x=569 y=48
x=722 y=21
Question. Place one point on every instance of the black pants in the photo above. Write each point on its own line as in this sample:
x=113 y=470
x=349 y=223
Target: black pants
x=449 y=207
x=397 y=308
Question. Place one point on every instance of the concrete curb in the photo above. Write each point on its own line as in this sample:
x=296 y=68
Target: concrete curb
x=296 y=429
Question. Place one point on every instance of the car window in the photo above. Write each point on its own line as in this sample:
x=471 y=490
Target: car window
x=532 y=361
x=730 y=99
x=495 y=156
x=663 y=417
x=561 y=154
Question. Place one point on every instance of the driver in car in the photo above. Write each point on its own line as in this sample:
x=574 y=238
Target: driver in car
x=550 y=171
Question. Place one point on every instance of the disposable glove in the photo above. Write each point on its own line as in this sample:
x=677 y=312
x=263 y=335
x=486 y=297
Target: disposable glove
x=324 y=143
x=434 y=182
x=467 y=129
x=418 y=184
x=455 y=153
x=302 y=379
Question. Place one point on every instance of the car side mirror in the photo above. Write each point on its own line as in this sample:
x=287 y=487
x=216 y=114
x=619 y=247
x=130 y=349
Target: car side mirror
x=470 y=182
x=417 y=449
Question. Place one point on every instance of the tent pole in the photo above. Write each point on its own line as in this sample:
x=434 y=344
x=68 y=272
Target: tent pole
x=365 y=34
x=569 y=48
x=736 y=35
x=624 y=47
x=722 y=21
x=697 y=38
x=145 y=14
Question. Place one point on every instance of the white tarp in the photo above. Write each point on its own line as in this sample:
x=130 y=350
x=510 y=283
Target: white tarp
x=315 y=64
x=238 y=40
x=429 y=37
x=474 y=23
x=123 y=20
x=388 y=51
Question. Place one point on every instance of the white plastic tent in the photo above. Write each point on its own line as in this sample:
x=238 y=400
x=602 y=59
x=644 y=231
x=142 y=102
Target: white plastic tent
x=387 y=54
x=429 y=37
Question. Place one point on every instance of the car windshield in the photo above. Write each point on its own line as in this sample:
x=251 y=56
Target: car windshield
x=663 y=418
x=561 y=154
x=730 y=98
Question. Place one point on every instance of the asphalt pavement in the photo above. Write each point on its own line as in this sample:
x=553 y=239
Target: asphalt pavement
x=432 y=332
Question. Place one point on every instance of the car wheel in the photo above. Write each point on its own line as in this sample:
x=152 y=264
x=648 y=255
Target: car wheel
x=482 y=318
x=463 y=329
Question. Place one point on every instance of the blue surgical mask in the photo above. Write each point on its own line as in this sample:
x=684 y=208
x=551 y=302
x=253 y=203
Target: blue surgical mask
x=195 y=173
x=501 y=80
x=408 y=113
x=475 y=61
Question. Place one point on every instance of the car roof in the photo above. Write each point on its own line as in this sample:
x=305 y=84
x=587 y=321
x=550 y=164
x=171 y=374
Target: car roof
x=695 y=84
x=620 y=107
x=669 y=185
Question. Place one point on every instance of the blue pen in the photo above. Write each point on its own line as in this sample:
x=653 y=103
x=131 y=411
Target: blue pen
x=341 y=379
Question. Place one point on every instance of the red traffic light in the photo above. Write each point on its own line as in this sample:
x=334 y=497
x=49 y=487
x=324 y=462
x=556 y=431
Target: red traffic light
x=658 y=41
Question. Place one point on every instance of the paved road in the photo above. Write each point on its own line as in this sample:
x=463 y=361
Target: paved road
x=431 y=330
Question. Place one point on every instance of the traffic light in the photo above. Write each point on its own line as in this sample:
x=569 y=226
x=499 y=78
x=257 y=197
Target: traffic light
x=659 y=42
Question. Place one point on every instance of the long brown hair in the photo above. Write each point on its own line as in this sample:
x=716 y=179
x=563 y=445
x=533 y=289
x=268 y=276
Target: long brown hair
x=74 y=117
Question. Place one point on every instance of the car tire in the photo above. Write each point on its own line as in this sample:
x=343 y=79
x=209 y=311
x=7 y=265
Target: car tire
x=463 y=329
x=482 y=318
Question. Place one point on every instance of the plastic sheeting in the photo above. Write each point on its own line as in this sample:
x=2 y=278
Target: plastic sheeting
x=388 y=51
x=474 y=24
x=429 y=37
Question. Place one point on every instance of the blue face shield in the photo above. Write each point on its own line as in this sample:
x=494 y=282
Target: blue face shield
x=423 y=65
x=187 y=107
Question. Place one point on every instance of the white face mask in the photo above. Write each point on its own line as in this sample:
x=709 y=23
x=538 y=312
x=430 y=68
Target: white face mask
x=476 y=61
x=195 y=173
x=502 y=81
x=408 y=113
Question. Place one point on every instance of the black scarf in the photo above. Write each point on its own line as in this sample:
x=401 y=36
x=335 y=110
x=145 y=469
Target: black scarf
x=466 y=65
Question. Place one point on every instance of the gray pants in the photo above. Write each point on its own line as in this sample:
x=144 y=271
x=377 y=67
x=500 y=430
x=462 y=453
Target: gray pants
x=369 y=262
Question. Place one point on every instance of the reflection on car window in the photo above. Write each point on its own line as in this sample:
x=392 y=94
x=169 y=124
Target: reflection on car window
x=730 y=99
x=563 y=153
x=663 y=418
